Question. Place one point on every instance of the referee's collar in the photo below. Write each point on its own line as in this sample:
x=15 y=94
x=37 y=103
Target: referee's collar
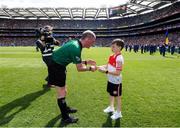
x=80 y=44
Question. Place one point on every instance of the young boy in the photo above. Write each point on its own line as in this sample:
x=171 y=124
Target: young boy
x=113 y=70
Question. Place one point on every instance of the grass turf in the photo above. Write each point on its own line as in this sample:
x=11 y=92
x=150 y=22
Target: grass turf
x=151 y=88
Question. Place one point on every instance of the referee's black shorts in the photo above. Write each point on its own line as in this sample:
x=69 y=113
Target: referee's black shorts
x=114 y=89
x=57 y=74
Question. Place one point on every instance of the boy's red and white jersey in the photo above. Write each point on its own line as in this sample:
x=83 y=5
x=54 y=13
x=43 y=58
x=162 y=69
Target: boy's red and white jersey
x=113 y=66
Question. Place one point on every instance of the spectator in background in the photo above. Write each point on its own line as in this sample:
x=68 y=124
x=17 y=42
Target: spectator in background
x=46 y=44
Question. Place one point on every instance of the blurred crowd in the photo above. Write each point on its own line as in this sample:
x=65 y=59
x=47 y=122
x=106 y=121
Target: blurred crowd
x=21 y=32
x=93 y=24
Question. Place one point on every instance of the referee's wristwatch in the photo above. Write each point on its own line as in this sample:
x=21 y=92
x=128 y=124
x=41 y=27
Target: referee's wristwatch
x=85 y=62
x=106 y=72
x=90 y=68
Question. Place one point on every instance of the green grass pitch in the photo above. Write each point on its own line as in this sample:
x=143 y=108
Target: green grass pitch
x=151 y=91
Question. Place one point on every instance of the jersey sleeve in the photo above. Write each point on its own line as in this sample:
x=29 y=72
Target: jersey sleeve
x=119 y=62
x=39 y=45
x=55 y=42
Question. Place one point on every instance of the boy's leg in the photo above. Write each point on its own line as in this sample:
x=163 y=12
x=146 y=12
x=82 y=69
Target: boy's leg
x=117 y=114
x=119 y=98
x=111 y=98
x=110 y=91
x=110 y=108
x=118 y=103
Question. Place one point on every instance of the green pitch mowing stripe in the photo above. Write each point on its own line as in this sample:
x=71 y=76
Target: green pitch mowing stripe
x=150 y=91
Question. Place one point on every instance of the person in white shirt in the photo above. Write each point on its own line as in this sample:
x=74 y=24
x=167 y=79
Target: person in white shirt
x=113 y=70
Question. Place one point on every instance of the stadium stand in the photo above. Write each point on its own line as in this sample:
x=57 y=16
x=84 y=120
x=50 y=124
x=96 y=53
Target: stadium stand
x=135 y=26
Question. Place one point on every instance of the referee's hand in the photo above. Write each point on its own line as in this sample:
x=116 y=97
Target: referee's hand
x=91 y=62
x=93 y=68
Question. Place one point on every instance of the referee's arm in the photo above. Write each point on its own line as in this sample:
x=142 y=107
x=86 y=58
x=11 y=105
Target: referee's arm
x=82 y=68
x=89 y=62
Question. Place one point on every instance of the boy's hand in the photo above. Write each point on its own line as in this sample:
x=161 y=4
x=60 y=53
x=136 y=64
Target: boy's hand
x=102 y=69
x=91 y=62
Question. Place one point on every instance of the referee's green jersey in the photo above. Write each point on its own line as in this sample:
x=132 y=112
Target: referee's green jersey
x=68 y=53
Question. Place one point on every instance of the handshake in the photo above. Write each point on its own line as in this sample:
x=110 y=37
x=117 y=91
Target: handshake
x=94 y=67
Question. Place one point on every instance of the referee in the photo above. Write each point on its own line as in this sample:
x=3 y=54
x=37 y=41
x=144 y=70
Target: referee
x=69 y=53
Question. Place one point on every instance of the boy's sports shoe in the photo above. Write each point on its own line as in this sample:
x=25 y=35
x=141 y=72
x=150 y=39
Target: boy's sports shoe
x=116 y=115
x=109 y=109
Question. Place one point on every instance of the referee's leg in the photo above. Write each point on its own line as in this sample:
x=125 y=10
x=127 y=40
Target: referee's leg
x=61 y=94
x=57 y=77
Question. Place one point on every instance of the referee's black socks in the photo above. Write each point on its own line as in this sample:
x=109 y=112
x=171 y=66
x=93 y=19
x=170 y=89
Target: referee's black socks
x=63 y=107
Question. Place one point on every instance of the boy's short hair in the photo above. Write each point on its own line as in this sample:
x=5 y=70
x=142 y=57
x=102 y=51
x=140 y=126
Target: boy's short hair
x=119 y=42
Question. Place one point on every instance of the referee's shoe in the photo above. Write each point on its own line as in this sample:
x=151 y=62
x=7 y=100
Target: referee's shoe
x=69 y=120
x=71 y=110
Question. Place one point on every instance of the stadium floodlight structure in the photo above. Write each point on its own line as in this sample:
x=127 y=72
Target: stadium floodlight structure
x=133 y=7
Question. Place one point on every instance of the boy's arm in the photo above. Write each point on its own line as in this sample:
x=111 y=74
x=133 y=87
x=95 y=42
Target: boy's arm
x=118 y=69
x=102 y=68
x=105 y=66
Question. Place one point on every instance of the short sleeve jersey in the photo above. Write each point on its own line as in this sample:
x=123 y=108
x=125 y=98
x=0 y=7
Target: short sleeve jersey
x=112 y=66
x=68 y=53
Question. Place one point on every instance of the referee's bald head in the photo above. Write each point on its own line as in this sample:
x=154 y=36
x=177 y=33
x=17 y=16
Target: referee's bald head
x=88 y=34
x=88 y=38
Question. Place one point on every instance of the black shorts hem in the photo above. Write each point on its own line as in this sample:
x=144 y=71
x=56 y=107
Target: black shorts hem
x=114 y=89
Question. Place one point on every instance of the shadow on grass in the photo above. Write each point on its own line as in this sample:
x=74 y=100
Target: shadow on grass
x=172 y=57
x=6 y=114
x=117 y=123
x=109 y=123
x=52 y=122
